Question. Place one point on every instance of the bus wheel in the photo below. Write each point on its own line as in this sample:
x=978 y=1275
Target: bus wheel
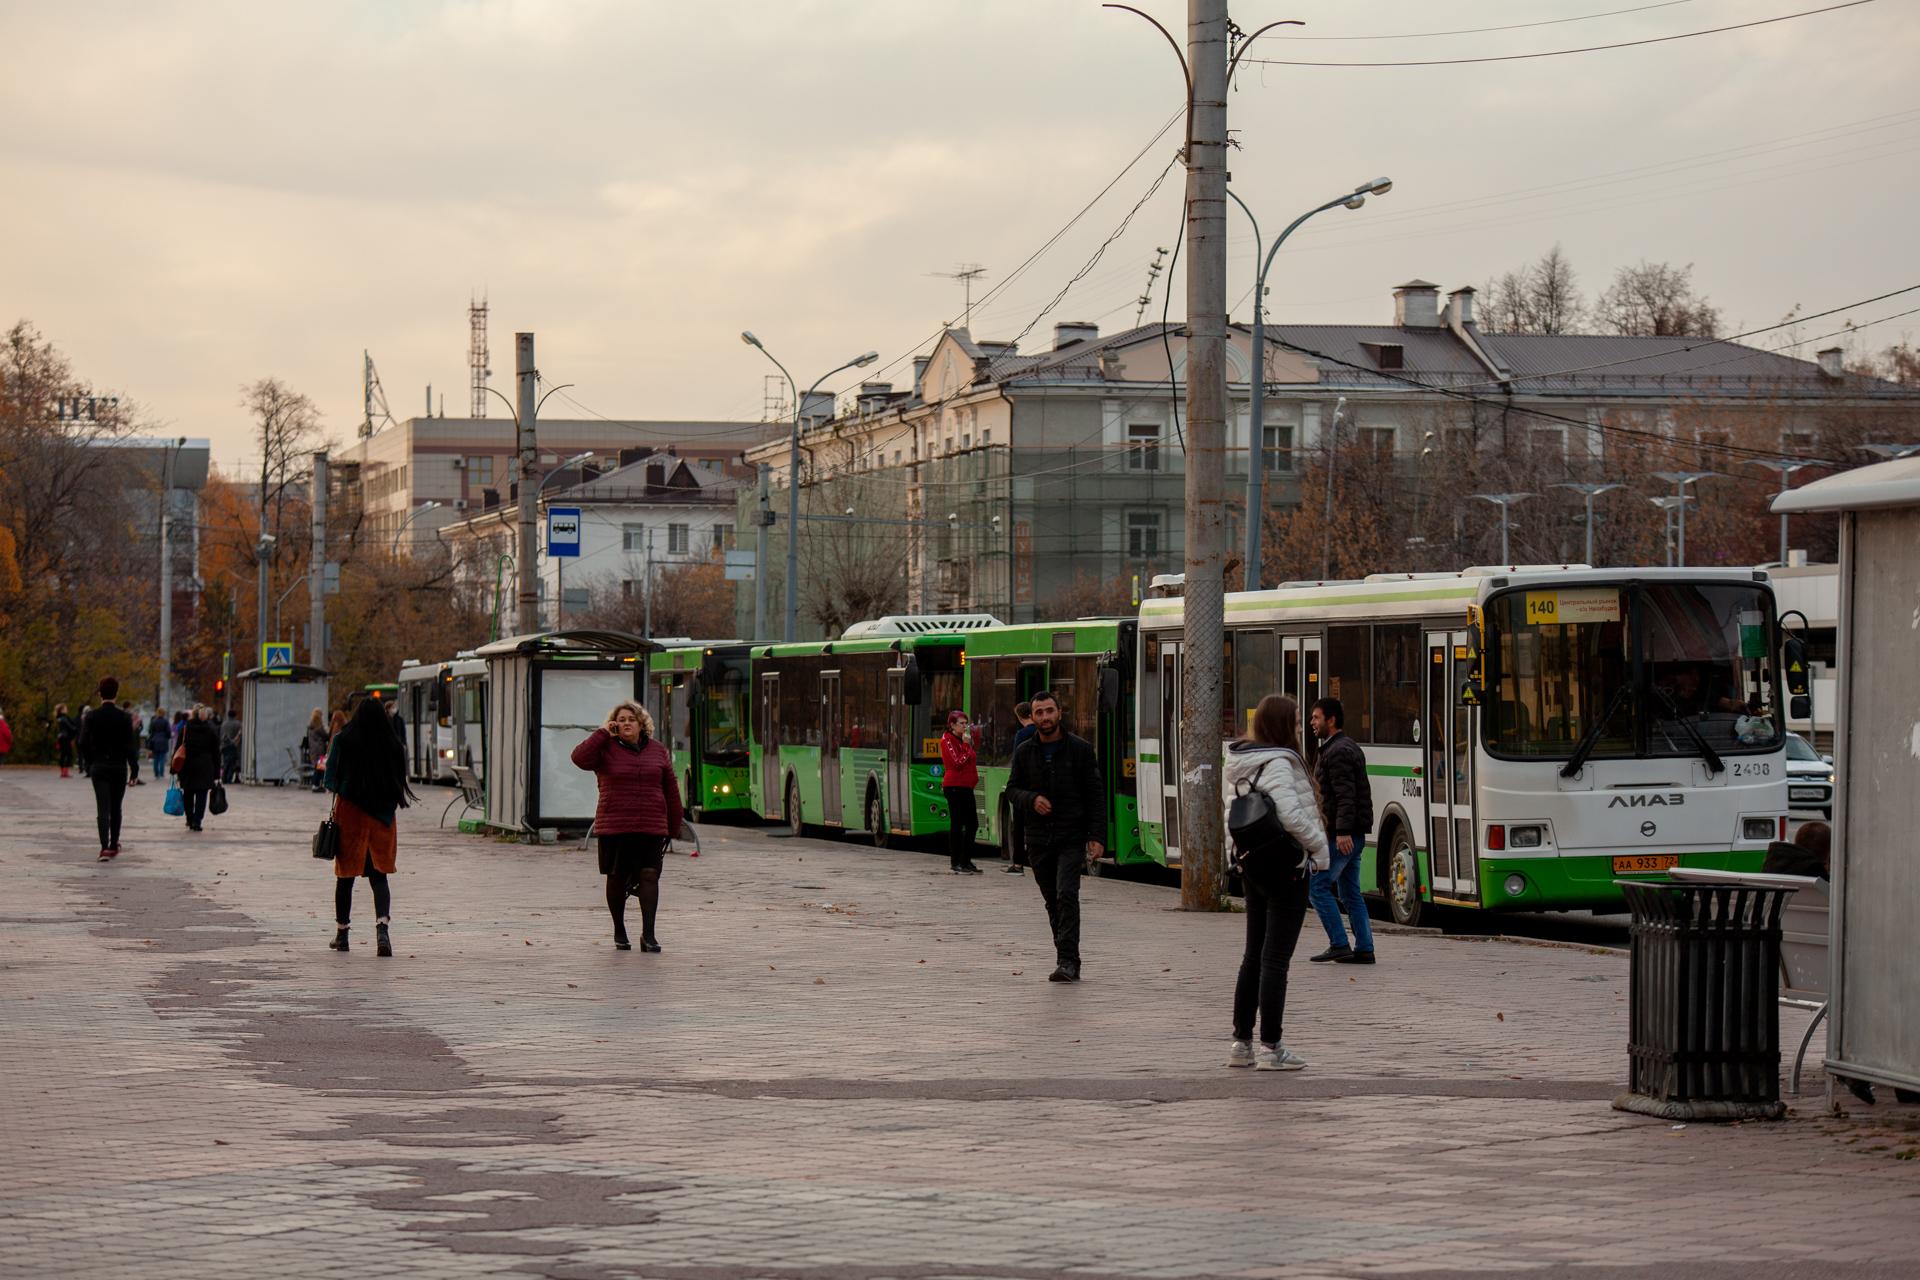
x=1403 y=880
x=795 y=827
x=877 y=819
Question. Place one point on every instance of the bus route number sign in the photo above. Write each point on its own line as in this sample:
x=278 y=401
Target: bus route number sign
x=1546 y=608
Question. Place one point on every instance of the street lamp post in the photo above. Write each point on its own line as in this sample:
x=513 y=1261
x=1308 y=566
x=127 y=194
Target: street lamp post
x=263 y=553
x=793 y=473
x=1589 y=490
x=1505 y=502
x=1326 y=519
x=1786 y=467
x=1680 y=480
x=1668 y=504
x=1257 y=424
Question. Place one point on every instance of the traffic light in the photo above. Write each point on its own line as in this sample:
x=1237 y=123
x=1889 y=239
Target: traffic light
x=220 y=685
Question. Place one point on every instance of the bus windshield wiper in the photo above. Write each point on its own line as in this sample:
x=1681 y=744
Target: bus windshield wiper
x=1588 y=740
x=1714 y=763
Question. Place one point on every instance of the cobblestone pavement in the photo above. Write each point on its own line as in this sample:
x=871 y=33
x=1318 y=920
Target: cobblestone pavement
x=847 y=1063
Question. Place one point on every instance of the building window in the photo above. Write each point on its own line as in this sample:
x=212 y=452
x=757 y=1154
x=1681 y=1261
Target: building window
x=630 y=589
x=1549 y=445
x=1143 y=446
x=722 y=537
x=676 y=539
x=1714 y=447
x=479 y=469
x=633 y=537
x=1143 y=534
x=986 y=436
x=1796 y=442
x=1378 y=441
x=1276 y=447
x=966 y=441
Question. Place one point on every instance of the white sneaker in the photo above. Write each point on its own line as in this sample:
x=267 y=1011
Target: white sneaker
x=1273 y=1057
x=1241 y=1054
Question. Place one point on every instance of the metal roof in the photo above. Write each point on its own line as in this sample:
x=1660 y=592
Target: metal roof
x=1883 y=485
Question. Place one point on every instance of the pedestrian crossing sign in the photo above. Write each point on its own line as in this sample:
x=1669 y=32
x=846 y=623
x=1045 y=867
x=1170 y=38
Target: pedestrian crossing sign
x=276 y=657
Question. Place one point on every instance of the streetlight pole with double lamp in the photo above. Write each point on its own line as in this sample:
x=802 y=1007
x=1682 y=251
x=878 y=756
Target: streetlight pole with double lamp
x=1505 y=502
x=793 y=472
x=1680 y=480
x=1589 y=490
x=1257 y=423
x=1786 y=467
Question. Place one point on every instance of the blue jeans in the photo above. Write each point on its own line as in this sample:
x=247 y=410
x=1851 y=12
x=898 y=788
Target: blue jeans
x=160 y=763
x=1342 y=880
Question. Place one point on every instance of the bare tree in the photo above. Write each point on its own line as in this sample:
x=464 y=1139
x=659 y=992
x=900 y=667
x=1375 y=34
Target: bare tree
x=1542 y=297
x=1089 y=596
x=288 y=427
x=1657 y=300
x=688 y=600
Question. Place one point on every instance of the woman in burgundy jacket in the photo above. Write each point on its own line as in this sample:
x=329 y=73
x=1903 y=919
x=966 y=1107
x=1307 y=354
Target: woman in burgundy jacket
x=639 y=811
x=960 y=774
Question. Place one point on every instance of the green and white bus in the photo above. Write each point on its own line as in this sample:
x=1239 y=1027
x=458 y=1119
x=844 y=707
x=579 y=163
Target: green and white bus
x=1532 y=733
x=699 y=698
x=1089 y=665
x=846 y=733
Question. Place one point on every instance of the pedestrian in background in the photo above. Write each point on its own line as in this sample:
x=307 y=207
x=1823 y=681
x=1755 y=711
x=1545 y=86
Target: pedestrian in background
x=230 y=747
x=106 y=738
x=1016 y=841
x=133 y=756
x=159 y=742
x=317 y=738
x=1269 y=760
x=80 y=741
x=367 y=773
x=1054 y=786
x=65 y=734
x=638 y=812
x=1341 y=770
x=959 y=775
x=199 y=754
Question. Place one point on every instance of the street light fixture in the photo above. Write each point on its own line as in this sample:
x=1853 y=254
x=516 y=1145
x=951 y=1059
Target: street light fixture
x=1257 y=426
x=1786 y=467
x=1505 y=502
x=1589 y=490
x=394 y=546
x=1668 y=503
x=1680 y=480
x=1891 y=451
x=793 y=471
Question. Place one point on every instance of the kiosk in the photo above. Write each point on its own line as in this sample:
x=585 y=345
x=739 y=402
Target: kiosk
x=274 y=709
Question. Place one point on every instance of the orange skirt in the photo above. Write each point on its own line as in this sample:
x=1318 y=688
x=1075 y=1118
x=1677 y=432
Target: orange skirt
x=363 y=839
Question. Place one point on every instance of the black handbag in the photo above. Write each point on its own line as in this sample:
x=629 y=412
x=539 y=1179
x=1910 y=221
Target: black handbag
x=326 y=841
x=217 y=802
x=1263 y=850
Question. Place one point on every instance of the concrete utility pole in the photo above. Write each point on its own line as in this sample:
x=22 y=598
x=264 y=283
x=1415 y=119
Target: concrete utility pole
x=166 y=567
x=526 y=383
x=263 y=552
x=1202 y=857
x=317 y=566
x=763 y=522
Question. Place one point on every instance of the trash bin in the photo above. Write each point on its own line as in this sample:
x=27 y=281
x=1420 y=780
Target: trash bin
x=1703 y=1012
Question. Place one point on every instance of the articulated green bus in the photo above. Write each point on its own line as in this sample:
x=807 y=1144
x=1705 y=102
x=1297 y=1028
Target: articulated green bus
x=1089 y=666
x=846 y=733
x=699 y=698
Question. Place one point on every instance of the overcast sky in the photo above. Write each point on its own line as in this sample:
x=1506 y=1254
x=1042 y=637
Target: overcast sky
x=195 y=195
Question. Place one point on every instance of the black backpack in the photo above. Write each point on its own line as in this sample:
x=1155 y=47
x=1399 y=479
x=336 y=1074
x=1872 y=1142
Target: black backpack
x=1264 y=853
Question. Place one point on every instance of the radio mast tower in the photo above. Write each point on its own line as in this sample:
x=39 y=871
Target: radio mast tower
x=477 y=360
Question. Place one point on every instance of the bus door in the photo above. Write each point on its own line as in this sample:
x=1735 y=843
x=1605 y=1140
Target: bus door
x=1451 y=849
x=1170 y=746
x=899 y=752
x=767 y=722
x=830 y=747
x=1300 y=672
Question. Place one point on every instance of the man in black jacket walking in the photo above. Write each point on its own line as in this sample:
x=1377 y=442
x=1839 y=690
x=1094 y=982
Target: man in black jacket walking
x=1347 y=801
x=1054 y=787
x=109 y=741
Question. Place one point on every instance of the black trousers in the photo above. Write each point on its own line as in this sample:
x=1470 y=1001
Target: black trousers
x=197 y=806
x=963 y=823
x=1057 y=870
x=109 y=790
x=1273 y=928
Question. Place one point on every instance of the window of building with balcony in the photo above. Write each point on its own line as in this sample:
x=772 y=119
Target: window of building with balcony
x=1143 y=446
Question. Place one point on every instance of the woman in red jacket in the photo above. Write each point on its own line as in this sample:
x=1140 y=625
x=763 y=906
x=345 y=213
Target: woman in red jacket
x=960 y=774
x=639 y=811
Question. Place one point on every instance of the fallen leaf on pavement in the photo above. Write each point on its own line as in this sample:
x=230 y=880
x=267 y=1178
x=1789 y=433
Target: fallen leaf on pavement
x=819 y=982
x=1500 y=1017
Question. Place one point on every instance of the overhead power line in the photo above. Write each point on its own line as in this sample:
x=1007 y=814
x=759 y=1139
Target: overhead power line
x=1511 y=26
x=1561 y=53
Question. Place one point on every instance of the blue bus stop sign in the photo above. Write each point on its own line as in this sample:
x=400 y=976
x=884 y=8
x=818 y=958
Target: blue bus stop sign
x=563 y=531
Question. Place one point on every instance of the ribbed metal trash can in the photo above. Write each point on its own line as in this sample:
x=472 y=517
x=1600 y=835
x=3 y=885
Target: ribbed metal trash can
x=1704 y=1014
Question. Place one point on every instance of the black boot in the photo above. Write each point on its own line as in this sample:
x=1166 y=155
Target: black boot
x=339 y=942
x=620 y=942
x=383 y=945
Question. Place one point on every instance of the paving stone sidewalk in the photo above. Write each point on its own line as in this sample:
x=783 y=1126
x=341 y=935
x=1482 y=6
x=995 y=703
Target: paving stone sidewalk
x=847 y=1063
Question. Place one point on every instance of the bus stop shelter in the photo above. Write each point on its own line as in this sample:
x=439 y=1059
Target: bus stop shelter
x=548 y=692
x=274 y=709
x=1874 y=948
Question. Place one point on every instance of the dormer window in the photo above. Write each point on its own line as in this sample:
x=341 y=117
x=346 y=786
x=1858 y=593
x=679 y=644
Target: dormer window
x=1386 y=355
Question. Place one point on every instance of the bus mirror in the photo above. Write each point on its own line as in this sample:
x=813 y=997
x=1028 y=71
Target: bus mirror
x=1471 y=692
x=910 y=687
x=1795 y=662
x=1109 y=689
x=1800 y=707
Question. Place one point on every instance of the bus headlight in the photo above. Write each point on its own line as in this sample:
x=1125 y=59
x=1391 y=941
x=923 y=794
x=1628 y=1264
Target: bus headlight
x=1756 y=828
x=1516 y=884
x=1527 y=837
x=726 y=788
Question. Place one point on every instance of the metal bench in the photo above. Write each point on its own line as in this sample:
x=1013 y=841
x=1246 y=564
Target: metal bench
x=473 y=793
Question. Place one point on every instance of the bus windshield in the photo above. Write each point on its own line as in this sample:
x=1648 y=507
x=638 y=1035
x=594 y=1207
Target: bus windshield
x=1562 y=667
x=723 y=689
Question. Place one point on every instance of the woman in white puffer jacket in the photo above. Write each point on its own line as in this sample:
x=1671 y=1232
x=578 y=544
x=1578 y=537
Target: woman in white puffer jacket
x=1270 y=760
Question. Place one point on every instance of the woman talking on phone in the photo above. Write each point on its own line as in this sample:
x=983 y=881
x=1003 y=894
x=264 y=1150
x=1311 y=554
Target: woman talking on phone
x=638 y=812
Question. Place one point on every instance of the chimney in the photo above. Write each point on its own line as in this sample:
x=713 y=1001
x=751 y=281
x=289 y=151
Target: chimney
x=816 y=409
x=920 y=364
x=656 y=474
x=1416 y=305
x=630 y=456
x=1831 y=365
x=1460 y=308
x=1069 y=332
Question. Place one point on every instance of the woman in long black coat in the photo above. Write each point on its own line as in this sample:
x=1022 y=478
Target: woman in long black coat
x=200 y=765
